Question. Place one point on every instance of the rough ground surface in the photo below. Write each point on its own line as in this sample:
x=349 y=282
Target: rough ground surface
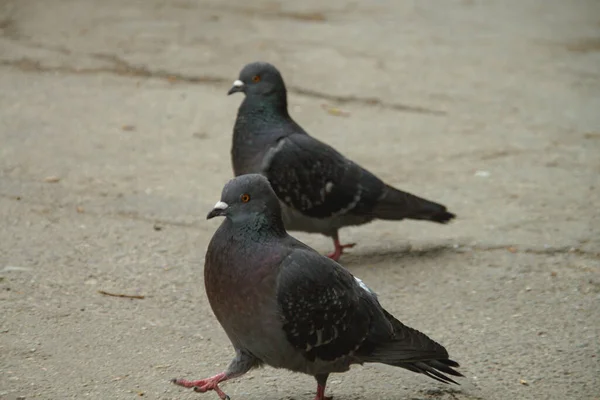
x=114 y=143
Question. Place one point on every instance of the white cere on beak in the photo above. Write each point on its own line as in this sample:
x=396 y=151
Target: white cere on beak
x=221 y=205
x=238 y=83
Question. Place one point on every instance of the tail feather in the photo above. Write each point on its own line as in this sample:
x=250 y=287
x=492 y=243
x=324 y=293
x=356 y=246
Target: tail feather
x=445 y=366
x=396 y=205
x=414 y=351
x=426 y=368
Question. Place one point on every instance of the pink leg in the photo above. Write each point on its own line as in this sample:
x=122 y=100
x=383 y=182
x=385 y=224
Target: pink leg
x=204 y=385
x=339 y=248
x=321 y=393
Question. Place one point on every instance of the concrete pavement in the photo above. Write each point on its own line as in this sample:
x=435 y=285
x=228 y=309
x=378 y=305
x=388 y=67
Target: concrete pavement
x=115 y=131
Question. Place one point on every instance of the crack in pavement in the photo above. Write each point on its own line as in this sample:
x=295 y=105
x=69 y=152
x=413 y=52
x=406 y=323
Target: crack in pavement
x=513 y=248
x=121 y=67
x=26 y=64
x=457 y=248
x=371 y=101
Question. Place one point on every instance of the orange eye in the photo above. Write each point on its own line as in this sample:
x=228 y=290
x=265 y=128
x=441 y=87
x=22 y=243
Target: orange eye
x=245 y=198
x=256 y=79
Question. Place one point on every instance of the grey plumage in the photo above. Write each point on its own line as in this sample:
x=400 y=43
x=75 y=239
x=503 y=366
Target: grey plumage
x=320 y=190
x=283 y=304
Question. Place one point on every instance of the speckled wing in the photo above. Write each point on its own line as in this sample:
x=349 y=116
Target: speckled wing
x=325 y=312
x=312 y=177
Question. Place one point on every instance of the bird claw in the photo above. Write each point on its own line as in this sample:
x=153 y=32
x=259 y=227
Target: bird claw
x=204 y=385
x=206 y=388
x=339 y=250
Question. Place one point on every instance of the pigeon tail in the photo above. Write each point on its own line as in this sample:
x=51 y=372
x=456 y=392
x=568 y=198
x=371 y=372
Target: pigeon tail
x=434 y=369
x=414 y=351
x=395 y=204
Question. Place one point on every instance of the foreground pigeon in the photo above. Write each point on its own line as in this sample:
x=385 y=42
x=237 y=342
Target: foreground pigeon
x=321 y=190
x=283 y=304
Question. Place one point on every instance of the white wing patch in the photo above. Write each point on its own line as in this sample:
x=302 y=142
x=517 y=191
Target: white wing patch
x=363 y=286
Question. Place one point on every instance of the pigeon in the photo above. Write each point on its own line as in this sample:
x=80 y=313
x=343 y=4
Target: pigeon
x=283 y=304
x=320 y=190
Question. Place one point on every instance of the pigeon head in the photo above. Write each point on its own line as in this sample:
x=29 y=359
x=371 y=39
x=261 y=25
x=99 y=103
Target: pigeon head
x=260 y=79
x=248 y=197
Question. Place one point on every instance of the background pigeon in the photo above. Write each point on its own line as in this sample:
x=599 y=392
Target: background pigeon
x=283 y=304
x=321 y=190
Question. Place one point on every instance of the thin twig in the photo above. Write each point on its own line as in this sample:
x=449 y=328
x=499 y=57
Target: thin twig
x=128 y=296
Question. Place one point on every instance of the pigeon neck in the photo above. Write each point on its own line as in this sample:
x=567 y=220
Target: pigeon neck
x=260 y=227
x=266 y=106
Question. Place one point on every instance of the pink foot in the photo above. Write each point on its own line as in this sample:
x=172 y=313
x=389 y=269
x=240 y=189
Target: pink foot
x=339 y=249
x=321 y=394
x=204 y=385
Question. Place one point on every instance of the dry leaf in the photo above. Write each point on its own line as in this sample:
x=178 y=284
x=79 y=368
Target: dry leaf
x=51 y=179
x=335 y=111
x=128 y=128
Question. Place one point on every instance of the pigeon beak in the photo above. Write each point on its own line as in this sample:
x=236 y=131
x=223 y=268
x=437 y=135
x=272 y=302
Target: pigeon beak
x=218 y=210
x=238 y=86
